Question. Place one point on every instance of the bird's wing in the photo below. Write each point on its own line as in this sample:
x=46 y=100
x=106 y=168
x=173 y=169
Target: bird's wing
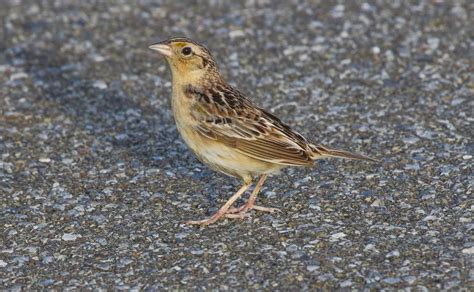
x=225 y=115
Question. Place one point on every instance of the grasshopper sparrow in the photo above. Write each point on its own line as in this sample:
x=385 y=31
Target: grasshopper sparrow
x=227 y=131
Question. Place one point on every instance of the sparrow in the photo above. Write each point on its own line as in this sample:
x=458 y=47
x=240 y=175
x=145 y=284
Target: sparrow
x=227 y=131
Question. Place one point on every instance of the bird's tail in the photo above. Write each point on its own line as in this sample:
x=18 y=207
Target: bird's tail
x=321 y=151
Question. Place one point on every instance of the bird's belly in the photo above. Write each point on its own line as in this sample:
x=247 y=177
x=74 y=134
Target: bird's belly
x=225 y=159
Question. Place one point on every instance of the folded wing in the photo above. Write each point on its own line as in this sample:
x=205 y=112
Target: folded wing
x=227 y=116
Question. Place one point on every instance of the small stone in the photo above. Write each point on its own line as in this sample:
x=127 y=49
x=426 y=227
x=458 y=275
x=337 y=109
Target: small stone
x=181 y=235
x=409 y=279
x=197 y=252
x=100 y=84
x=19 y=75
x=346 y=283
x=236 y=33
x=312 y=268
x=337 y=236
x=410 y=140
x=46 y=282
x=391 y=280
x=369 y=247
x=103 y=266
x=433 y=43
x=44 y=160
x=412 y=166
x=67 y=161
x=375 y=50
x=466 y=157
x=47 y=259
x=430 y=218
x=70 y=236
x=465 y=220
x=393 y=254
x=99 y=219
x=125 y=262
x=97 y=58
x=3 y=264
x=376 y=203
x=102 y=241
x=469 y=250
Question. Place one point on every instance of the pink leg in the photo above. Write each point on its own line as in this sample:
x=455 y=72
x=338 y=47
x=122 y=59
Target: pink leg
x=239 y=211
x=223 y=210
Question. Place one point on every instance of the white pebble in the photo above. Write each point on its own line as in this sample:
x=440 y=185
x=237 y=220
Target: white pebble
x=337 y=236
x=312 y=268
x=44 y=160
x=236 y=33
x=347 y=283
x=393 y=254
x=100 y=84
x=70 y=236
x=97 y=58
x=469 y=250
x=429 y=218
x=465 y=220
x=376 y=203
x=19 y=75
x=375 y=50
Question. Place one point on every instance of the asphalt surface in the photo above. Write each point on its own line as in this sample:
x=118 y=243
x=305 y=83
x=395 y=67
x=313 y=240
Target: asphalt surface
x=95 y=181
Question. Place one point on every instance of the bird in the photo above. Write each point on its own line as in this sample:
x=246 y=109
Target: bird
x=227 y=131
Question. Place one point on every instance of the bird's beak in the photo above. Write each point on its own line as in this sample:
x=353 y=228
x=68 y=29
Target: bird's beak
x=163 y=49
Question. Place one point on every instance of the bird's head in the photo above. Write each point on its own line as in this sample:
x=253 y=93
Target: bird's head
x=186 y=58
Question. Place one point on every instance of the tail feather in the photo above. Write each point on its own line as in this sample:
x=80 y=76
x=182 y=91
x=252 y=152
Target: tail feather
x=323 y=151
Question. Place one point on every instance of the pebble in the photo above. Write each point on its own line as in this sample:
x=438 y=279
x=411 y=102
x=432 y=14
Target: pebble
x=393 y=254
x=375 y=50
x=392 y=281
x=410 y=279
x=346 y=284
x=337 y=236
x=100 y=84
x=469 y=250
x=70 y=236
x=376 y=203
x=236 y=34
x=19 y=75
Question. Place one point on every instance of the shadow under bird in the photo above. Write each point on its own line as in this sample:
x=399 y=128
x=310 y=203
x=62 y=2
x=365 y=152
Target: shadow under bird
x=227 y=131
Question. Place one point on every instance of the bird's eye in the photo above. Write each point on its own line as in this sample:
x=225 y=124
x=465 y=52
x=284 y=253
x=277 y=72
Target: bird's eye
x=186 y=51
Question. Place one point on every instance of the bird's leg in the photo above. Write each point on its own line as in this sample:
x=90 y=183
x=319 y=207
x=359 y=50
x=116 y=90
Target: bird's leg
x=239 y=211
x=223 y=210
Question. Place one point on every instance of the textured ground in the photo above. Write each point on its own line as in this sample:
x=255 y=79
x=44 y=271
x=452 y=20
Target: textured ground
x=95 y=182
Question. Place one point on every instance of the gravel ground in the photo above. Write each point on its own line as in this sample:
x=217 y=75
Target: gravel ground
x=95 y=181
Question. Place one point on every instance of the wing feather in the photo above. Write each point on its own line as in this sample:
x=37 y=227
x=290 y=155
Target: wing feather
x=235 y=121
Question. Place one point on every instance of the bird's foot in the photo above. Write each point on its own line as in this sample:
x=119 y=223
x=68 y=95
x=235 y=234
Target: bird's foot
x=207 y=221
x=237 y=215
x=246 y=207
x=216 y=217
